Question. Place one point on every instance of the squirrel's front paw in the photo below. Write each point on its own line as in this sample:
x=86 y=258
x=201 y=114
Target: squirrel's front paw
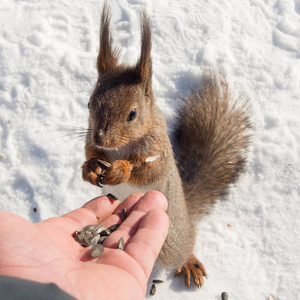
x=119 y=172
x=93 y=170
x=192 y=268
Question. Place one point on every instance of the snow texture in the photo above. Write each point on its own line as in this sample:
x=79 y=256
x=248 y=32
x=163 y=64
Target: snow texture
x=48 y=51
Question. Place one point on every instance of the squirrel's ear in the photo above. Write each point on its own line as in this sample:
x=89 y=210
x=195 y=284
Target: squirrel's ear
x=144 y=65
x=107 y=58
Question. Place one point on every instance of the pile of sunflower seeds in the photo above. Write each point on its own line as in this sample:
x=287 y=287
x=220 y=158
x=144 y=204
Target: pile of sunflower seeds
x=95 y=235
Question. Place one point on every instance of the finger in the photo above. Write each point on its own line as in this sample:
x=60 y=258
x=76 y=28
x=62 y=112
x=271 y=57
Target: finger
x=128 y=204
x=90 y=213
x=146 y=244
x=129 y=227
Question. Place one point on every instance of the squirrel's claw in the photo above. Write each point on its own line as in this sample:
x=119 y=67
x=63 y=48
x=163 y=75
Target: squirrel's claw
x=192 y=268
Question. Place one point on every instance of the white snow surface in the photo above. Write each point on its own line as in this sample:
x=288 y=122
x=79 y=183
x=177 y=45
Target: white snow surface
x=48 y=51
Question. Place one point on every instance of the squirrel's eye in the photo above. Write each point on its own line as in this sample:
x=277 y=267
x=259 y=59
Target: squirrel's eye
x=132 y=115
x=89 y=105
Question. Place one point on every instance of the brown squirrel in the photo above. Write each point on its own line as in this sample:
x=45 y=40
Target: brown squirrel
x=128 y=130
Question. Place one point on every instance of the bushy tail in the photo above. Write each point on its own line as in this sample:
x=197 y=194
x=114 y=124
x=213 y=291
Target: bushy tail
x=210 y=140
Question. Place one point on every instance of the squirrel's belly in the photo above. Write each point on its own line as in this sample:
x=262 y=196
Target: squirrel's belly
x=122 y=191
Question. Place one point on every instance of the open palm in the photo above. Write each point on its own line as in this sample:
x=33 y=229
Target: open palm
x=46 y=251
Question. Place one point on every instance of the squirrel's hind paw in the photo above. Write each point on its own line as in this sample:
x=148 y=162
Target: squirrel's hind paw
x=192 y=268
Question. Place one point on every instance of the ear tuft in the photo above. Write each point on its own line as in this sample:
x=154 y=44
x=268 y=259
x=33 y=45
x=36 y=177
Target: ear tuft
x=108 y=56
x=144 y=65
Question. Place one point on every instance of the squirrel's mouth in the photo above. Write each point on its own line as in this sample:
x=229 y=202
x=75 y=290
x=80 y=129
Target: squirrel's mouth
x=108 y=145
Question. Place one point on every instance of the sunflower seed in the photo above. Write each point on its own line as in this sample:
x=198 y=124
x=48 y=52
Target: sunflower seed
x=96 y=250
x=153 y=290
x=102 y=239
x=105 y=232
x=114 y=227
x=120 y=244
x=98 y=229
x=89 y=227
x=112 y=197
x=87 y=238
x=103 y=164
x=157 y=281
x=124 y=214
x=224 y=296
x=78 y=237
x=94 y=240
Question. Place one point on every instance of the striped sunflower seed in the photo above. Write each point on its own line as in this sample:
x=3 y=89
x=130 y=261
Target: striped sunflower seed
x=102 y=239
x=114 y=227
x=124 y=214
x=104 y=165
x=105 y=232
x=157 y=281
x=98 y=229
x=95 y=239
x=89 y=227
x=153 y=290
x=120 y=244
x=96 y=250
x=112 y=197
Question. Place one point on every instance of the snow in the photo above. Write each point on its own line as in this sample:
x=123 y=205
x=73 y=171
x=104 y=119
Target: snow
x=48 y=51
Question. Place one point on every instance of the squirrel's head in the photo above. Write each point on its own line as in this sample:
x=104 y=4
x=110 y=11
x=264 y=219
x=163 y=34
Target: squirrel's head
x=122 y=102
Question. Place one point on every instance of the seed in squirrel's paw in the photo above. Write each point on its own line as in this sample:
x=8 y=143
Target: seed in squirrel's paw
x=103 y=164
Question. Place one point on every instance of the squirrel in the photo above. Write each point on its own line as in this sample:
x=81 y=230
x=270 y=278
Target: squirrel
x=128 y=131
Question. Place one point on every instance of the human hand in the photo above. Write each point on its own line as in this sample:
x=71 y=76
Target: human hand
x=46 y=251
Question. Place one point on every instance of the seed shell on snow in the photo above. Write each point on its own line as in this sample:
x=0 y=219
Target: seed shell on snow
x=224 y=296
x=157 y=281
x=153 y=290
x=96 y=250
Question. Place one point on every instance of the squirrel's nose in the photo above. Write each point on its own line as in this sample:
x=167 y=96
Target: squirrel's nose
x=98 y=137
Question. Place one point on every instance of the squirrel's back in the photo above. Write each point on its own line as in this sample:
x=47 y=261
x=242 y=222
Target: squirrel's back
x=211 y=136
